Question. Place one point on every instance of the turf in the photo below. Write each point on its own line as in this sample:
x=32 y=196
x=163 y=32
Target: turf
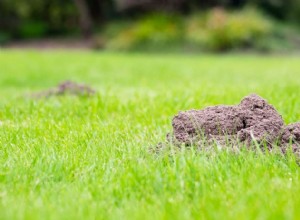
x=87 y=158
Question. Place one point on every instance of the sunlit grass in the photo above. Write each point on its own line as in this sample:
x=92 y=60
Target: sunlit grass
x=88 y=158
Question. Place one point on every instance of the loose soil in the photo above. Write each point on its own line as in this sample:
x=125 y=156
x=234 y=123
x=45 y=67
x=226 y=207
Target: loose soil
x=67 y=88
x=252 y=121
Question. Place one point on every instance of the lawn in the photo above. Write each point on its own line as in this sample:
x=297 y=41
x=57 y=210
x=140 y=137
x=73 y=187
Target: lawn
x=88 y=157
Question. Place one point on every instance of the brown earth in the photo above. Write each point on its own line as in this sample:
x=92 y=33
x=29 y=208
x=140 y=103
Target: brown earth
x=291 y=137
x=67 y=87
x=252 y=121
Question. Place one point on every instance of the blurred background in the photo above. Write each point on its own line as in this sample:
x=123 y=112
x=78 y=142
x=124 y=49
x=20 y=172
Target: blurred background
x=152 y=25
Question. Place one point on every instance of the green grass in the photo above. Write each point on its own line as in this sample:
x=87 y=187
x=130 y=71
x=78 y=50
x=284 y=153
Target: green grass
x=87 y=158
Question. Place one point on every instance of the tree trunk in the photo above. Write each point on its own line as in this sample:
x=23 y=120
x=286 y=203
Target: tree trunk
x=86 y=22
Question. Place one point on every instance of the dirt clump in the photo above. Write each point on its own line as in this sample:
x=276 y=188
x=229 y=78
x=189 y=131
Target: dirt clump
x=219 y=120
x=253 y=120
x=261 y=120
x=291 y=138
x=67 y=88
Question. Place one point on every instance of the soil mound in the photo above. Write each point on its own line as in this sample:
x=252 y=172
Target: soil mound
x=67 y=88
x=253 y=120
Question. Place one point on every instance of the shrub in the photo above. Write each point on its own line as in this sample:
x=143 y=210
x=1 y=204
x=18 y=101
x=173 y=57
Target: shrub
x=156 y=30
x=220 y=30
x=215 y=30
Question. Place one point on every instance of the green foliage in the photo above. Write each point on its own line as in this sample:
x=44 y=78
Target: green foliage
x=285 y=10
x=286 y=38
x=36 y=18
x=294 y=15
x=33 y=29
x=216 y=30
x=156 y=30
x=220 y=30
x=63 y=16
